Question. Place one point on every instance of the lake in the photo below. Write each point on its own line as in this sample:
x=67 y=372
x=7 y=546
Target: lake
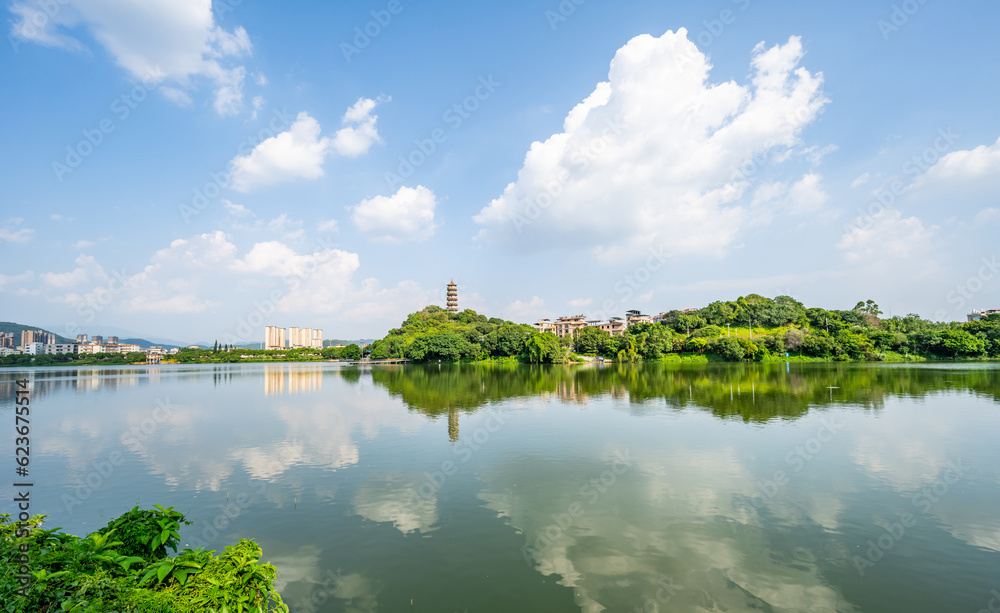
x=622 y=488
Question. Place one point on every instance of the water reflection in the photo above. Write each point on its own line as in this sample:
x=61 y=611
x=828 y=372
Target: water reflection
x=750 y=392
x=298 y=378
x=652 y=487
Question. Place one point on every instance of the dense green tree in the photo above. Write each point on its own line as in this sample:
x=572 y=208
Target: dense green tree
x=751 y=349
x=708 y=332
x=959 y=343
x=883 y=340
x=728 y=349
x=507 y=340
x=544 y=348
x=434 y=334
x=652 y=340
x=719 y=313
x=590 y=340
x=696 y=344
x=793 y=339
x=773 y=343
x=351 y=352
x=629 y=352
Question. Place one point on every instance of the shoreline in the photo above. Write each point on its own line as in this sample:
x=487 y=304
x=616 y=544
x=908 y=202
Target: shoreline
x=680 y=359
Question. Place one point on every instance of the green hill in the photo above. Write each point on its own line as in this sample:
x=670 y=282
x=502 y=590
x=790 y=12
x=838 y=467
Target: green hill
x=750 y=328
x=17 y=329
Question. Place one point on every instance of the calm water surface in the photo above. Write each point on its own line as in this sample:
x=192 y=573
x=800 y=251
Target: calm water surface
x=494 y=489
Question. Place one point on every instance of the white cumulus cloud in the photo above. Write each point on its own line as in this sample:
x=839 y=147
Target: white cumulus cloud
x=170 y=43
x=887 y=235
x=659 y=155
x=177 y=275
x=407 y=215
x=988 y=215
x=359 y=132
x=11 y=232
x=981 y=161
x=299 y=152
x=87 y=270
x=520 y=311
x=295 y=154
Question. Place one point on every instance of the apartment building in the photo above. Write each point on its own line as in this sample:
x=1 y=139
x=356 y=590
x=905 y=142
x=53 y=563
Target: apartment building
x=92 y=349
x=274 y=338
x=49 y=348
x=60 y=349
x=37 y=336
x=298 y=338
x=32 y=348
x=615 y=326
x=636 y=317
x=563 y=326
x=545 y=325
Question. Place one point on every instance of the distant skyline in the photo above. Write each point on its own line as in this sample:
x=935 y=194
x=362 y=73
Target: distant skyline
x=181 y=170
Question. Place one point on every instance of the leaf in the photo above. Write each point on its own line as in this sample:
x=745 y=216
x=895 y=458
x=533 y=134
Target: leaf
x=163 y=572
x=129 y=561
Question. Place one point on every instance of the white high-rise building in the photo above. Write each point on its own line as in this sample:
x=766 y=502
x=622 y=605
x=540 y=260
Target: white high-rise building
x=274 y=338
x=305 y=338
x=299 y=337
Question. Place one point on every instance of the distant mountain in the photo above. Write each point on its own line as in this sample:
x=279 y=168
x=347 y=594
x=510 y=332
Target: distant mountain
x=132 y=335
x=17 y=329
x=326 y=343
x=144 y=344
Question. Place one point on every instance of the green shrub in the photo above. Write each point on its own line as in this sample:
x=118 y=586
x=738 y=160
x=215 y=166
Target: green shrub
x=96 y=574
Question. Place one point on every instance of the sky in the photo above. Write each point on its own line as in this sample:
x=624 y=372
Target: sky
x=193 y=170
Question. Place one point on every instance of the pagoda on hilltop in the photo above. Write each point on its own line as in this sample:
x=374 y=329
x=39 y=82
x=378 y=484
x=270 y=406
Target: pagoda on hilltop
x=452 y=298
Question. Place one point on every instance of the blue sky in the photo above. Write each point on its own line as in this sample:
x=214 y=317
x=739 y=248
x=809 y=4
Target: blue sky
x=196 y=171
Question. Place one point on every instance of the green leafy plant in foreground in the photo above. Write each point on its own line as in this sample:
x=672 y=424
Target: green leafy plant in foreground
x=125 y=567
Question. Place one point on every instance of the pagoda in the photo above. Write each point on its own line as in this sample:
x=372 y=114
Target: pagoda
x=452 y=298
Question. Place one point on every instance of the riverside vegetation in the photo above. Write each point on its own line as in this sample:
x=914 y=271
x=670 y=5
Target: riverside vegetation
x=125 y=567
x=751 y=328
